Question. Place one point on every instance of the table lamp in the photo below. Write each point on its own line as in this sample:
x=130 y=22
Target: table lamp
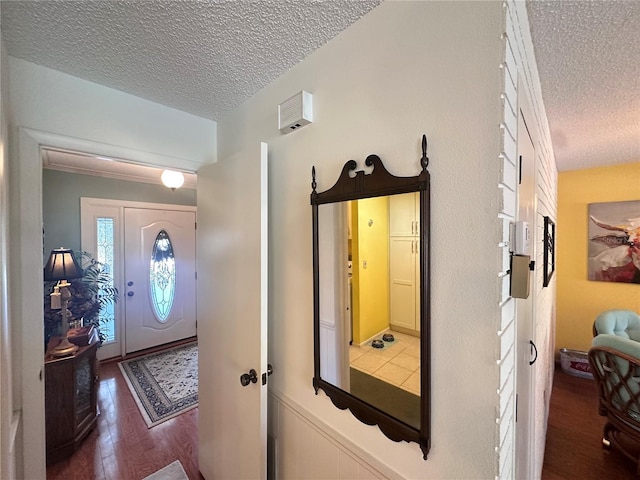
x=62 y=266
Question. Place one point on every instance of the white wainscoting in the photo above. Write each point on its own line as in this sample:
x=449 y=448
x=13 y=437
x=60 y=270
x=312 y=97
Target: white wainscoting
x=303 y=447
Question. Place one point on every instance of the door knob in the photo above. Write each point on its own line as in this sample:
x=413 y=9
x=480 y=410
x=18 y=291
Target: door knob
x=130 y=284
x=247 y=378
x=130 y=294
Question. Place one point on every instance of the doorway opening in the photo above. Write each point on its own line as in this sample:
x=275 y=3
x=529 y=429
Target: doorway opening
x=73 y=217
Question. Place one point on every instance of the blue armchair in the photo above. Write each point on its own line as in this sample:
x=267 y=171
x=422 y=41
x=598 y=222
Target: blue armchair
x=623 y=323
x=615 y=364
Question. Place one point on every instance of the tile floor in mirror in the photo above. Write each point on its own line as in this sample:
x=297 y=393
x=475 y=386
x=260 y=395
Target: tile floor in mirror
x=398 y=363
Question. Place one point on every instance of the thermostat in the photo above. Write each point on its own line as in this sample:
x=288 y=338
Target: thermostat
x=520 y=236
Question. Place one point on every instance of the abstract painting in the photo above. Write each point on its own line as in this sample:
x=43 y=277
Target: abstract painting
x=614 y=242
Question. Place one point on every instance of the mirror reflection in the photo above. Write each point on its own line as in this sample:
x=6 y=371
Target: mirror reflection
x=369 y=301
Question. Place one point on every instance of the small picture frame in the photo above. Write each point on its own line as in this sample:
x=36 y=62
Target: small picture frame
x=549 y=250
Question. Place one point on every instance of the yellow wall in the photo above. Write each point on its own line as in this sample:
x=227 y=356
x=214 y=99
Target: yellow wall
x=371 y=284
x=579 y=300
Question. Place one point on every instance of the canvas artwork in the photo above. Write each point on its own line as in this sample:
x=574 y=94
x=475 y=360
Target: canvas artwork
x=614 y=242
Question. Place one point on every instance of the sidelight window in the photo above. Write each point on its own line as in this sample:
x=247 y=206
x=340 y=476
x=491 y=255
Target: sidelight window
x=105 y=249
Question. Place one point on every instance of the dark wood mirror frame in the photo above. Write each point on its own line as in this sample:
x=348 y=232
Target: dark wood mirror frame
x=379 y=183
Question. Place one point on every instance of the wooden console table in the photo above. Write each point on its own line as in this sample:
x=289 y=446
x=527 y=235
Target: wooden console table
x=71 y=388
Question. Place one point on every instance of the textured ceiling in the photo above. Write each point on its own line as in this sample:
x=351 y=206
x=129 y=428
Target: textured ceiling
x=207 y=57
x=588 y=55
x=202 y=57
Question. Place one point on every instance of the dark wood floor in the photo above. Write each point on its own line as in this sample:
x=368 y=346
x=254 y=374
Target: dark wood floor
x=574 y=433
x=122 y=447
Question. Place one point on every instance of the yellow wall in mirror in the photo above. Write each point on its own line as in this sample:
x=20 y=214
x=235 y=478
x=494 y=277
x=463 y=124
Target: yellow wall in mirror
x=370 y=270
x=579 y=300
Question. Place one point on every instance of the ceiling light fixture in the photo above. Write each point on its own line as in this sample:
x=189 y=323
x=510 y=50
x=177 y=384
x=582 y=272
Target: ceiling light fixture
x=172 y=179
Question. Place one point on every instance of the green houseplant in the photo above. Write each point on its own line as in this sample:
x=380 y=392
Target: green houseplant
x=91 y=294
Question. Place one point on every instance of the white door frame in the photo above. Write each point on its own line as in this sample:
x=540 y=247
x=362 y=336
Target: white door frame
x=27 y=289
x=92 y=208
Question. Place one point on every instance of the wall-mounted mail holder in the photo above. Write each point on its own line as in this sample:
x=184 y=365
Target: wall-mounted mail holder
x=520 y=278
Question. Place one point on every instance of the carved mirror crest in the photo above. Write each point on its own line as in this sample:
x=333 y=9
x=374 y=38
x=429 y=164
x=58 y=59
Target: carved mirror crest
x=371 y=297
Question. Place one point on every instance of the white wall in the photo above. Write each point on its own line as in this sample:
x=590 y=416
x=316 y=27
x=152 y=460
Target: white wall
x=7 y=420
x=519 y=63
x=53 y=109
x=61 y=193
x=546 y=205
x=404 y=69
x=50 y=101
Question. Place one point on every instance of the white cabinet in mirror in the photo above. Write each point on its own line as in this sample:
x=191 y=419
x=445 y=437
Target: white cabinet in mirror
x=404 y=267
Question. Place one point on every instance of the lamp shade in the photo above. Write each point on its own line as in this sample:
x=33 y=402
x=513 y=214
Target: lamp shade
x=172 y=179
x=62 y=265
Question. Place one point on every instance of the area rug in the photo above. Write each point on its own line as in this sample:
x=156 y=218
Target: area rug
x=173 y=471
x=163 y=384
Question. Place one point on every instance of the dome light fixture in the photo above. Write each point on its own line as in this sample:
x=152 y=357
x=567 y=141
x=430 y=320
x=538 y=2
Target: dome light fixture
x=172 y=179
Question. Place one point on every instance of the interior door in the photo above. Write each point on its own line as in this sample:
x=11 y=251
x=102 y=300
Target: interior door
x=232 y=315
x=524 y=311
x=160 y=284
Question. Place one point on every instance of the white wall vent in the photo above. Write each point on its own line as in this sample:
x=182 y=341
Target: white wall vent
x=295 y=112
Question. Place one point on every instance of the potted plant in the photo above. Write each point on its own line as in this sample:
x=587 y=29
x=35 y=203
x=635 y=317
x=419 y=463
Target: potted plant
x=91 y=294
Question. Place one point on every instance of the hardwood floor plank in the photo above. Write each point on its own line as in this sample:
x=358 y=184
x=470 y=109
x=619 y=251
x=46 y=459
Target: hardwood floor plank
x=122 y=447
x=573 y=449
x=114 y=468
x=87 y=462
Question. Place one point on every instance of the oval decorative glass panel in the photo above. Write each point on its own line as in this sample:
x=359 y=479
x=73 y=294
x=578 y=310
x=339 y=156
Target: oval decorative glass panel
x=162 y=276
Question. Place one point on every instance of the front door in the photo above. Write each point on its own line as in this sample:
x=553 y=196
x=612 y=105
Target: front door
x=232 y=315
x=159 y=276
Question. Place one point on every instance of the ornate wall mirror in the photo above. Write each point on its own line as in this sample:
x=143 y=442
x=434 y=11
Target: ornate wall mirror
x=371 y=297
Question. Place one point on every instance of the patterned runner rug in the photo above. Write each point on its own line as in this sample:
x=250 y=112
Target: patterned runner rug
x=163 y=384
